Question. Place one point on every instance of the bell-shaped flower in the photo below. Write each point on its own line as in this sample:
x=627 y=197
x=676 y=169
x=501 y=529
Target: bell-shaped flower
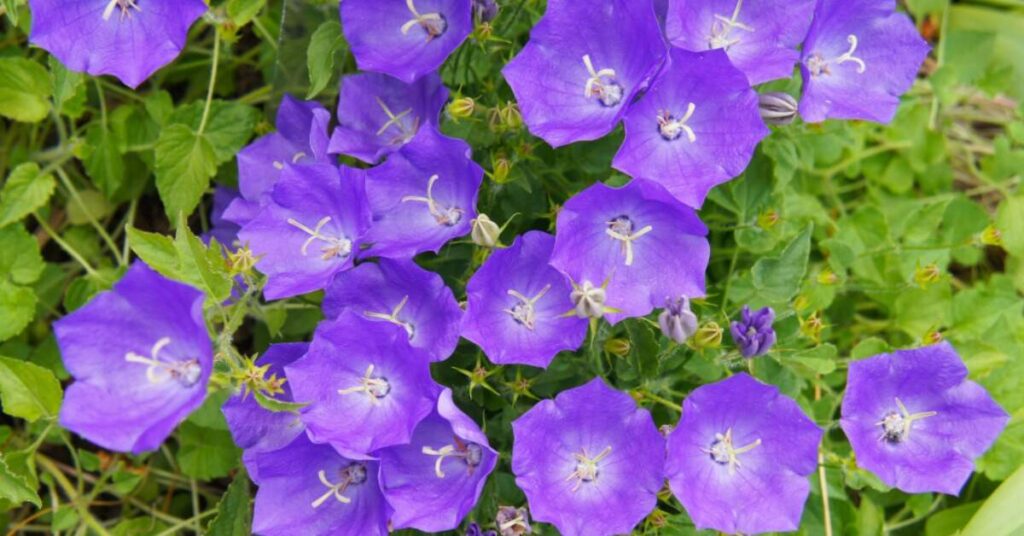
x=224 y=230
x=753 y=332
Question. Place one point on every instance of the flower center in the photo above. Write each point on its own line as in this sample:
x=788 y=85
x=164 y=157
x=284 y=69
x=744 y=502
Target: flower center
x=587 y=468
x=405 y=131
x=819 y=65
x=601 y=85
x=621 y=228
x=334 y=246
x=158 y=371
x=433 y=24
x=523 y=312
x=375 y=388
x=446 y=216
x=722 y=27
x=588 y=300
x=125 y=5
x=278 y=165
x=352 y=475
x=392 y=317
x=723 y=452
x=672 y=128
x=470 y=453
x=896 y=425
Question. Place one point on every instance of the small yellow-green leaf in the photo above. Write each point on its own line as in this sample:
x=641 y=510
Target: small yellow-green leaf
x=25 y=190
x=27 y=390
x=24 y=90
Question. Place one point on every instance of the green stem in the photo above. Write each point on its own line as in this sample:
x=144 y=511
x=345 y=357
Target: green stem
x=903 y=524
x=213 y=82
x=194 y=520
x=66 y=181
x=83 y=510
x=67 y=248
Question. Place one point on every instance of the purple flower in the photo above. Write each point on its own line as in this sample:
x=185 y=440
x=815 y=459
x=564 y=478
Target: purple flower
x=858 y=58
x=367 y=388
x=129 y=39
x=404 y=38
x=474 y=530
x=516 y=305
x=485 y=10
x=677 y=321
x=637 y=241
x=589 y=461
x=255 y=428
x=141 y=358
x=309 y=230
x=739 y=458
x=423 y=196
x=224 y=230
x=915 y=420
x=696 y=127
x=434 y=481
x=307 y=488
x=512 y=521
x=377 y=114
x=399 y=292
x=583 y=65
x=753 y=333
x=760 y=36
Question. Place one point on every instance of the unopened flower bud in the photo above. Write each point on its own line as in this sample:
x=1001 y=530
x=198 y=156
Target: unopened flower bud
x=991 y=236
x=812 y=326
x=777 y=108
x=617 y=347
x=509 y=116
x=708 y=335
x=485 y=10
x=827 y=277
x=933 y=336
x=241 y=261
x=926 y=275
x=767 y=219
x=461 y=108
x=485 y=233
x=677 y=321
x=588 y=300
x=502 y=169
x=512 y=521
x=753 y=332
x=801 y=302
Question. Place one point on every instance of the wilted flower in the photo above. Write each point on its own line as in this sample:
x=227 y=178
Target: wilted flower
x=677 y=321
x=435 y=480
x=738 y=439
x=777 y=108
x=485 y=233
x=141 y=358
x=915 y=420
x=589 y=461
x=513 y=521
x=753 y=333
x=485 y=10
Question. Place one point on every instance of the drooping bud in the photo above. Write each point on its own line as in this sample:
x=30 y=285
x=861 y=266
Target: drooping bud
x=485 y=10
x=485 y=233
x=677 y=321
x=777 y=108
x=588 y=300
x=461 y=108
x=753 y=333
x=502 y=169
x=708 y=335
x=617 y=346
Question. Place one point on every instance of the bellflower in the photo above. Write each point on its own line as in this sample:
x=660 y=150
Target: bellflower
x=307 y=488
x=224 y=230
x=141 y=358
x=309 y=230
x=858 y=58
x=255 y=428
x=677 y=321
x=583 y=65
x=753 y=333
x=636 y=242
x=436 y=479
x=367 y=388
x=589 y=461
x=696 y=127
x=760 y=36
x=915 y=420
x=516 y=305
x=399 y=292
x=404 y=38
x=739 y=458
x=129 y=39
x=423 y=196
x=377 y=114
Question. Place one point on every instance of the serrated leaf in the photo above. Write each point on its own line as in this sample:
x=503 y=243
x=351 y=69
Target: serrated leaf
x=25 y=190
x=243 y=11
x=233 y=514
x=24 y=90
x=323 y=45
x=17 y=308
x=228 y=127
x=27 y=390
x=777 y=279
x=206 y=449
x=68 y=89
x=23 y=264
x=185 y=162
x=157 y=250
x=15 y=488
x=208 y=272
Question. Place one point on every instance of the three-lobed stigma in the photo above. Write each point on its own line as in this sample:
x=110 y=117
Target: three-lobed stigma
x=433 y=24
x=397 y=122
x=523 y=312
x=819 y=65
x=587 y=467
x=602 y=85
x=392 y=317
x=374 y=387
x=353 y=475
x=721 y=35
x=621 y=228
x=672 y=128
x=334 y=246
x=186 y=372
x=723 y=452
x=125 y=5
x=446 y=216
x=896 y=425
x=470 y=453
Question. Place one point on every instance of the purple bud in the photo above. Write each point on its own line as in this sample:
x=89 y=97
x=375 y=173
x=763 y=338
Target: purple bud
x=753 y=334
x=677 y=321
x=485 y=10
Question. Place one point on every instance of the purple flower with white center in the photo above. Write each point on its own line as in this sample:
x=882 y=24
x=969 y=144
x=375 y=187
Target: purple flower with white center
x=516 y=305
x=436 y=479
x=753 y=333
x=377 y=114
x=915 y=420
x=310 y=228
x=221 y=228
x=399 y=292
x=696 y=127
x=307 y=488
x=677 y=321
x=583 y=65
x=637 y=242
x=858 y=58
x=589 y=461
x=255 y=428
x=141 y=358
x=405 y=38
x=739 y=458
x=760 y=36
x=129 y=39
x=423 y=196
x=367 y=388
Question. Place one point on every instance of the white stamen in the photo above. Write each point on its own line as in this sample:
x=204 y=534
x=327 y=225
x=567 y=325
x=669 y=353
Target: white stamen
x=622 y=230
x=160 y=371
x=333 y=489
x=819 y=65
x=608 y=92
x=444 y=216
x=395 y=120
x=896 y=426
x=723 y=452
x=470 y=453
x=125 y=5
x=393 y=317
x=337 y=246
x=671 y=128
x=375 y=388
x=722 y=27
x=586 y=467
x=523 y=312
x=441 y=454
x=433 y=23
x=848 y=55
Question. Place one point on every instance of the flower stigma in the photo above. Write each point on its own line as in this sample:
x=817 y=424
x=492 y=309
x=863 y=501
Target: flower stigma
x=470 y=453
x=405 y=132
x=621 y=228
x=434 y=24
x=818 y=65
x=523 y=312
x=722 y=27
x=723 y=453
x=608 y=92
x=186 y=372
x=447 y=216
x=125 y=5
x=335 y=246
x=354 y=474
x=375 y=388
x=393 y=317
x=587 y=469
x=671 y=128
x=896 y=425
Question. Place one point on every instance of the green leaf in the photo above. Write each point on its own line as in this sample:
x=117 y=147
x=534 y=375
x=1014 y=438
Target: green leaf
x=28 y=391
x=777 y=279
x=24 y=90
x=275 y=405
x=1001 y=512
x=68 y=89
x=185 y=162
x=243 y=11
x=643 y=348
x=228 y=127
x=1010 y=222
x=206 y=449
x=16 y=488
x=104 y=163
x=323 y=45
x=233 y=514
x=24 y=192
x=817 y=360
x=199 y=267
x=21 y=262
x=17 y=308
x=157 y=250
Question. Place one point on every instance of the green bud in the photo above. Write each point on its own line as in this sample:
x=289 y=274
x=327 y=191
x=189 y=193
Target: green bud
x=617 y=346
x=485 y=233
x=461 y=108
x=709 y=335
x=927 y=275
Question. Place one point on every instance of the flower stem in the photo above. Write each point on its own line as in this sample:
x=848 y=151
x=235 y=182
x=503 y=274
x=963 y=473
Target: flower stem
x=69 y=489
x=213 y=81
x=67 y=248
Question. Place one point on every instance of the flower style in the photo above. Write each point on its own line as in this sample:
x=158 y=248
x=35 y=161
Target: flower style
x=760 y=36
x=589 y=461
x=423 y=196
x=636 y=244
x=404 y=38
x=377 y=114
x=305 y=488
x=696 y=127
x=255 y=428
x=516 y=305
x=583 y=65
x=677 y=321
x=398 y=292
x=367 y=388
x=141 y=358
x=309 y=230
x=739 y=458
x=753 y=333
x=436 y=479
x=129 y=39
x=858 y=58
x=915 y=420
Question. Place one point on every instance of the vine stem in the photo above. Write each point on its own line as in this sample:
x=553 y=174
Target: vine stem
x=69 y=489
x=822 y=483
x=213 y=81
x=67 y=248
x=88 y=215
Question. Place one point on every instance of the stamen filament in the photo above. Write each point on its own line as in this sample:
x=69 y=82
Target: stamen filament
x=524 y=311
x=333 y=489
x=393 y=316
x=671 y=128
x=448 y=216
x=627 y=240
x=336 y=246
x=898 y=425
x=586 y=467
x=375 y=388
x=722 y=27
